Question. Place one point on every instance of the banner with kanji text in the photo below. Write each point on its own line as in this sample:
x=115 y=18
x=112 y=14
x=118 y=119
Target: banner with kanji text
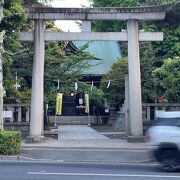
x=59 y=99
x=86 y=103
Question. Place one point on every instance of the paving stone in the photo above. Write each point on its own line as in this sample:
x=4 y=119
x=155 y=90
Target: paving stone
x=78 y=132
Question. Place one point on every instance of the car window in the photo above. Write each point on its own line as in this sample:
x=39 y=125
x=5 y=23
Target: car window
x=177 y=122
x=168 y=122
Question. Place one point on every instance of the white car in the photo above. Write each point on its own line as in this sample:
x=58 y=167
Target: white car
x=164 y=142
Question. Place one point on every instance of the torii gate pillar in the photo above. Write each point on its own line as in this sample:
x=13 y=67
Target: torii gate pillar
x=135 y=102
x=37 y=93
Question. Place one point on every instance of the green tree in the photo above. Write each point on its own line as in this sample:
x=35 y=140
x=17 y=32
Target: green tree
x=18 y=56
x=96 y=95
x=14 y=12
x=14 y=17
x=147 y=63
x=168 y=78
x=68 y=69
x=105 y=26
x=1 y=73
x=152 y=55
x=115 y=93
x=170 y=25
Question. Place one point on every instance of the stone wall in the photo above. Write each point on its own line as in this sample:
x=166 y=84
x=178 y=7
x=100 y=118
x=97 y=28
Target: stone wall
x=77 y=120
x=24 y=127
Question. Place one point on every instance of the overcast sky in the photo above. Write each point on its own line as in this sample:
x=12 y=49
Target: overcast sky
x=69 y=25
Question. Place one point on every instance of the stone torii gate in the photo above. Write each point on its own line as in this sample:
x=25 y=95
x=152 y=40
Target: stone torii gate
x=132 y=35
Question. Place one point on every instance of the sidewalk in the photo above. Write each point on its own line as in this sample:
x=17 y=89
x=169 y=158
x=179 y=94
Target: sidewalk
x=83 y=136
x=108 y=151
x=88 y=143
x=82 y=144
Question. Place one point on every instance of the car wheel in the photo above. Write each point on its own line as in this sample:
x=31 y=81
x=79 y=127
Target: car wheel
x=169 y=160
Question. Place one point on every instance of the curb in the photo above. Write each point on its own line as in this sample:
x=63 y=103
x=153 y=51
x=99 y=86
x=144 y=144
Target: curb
x=83 y=148
x=23 y=159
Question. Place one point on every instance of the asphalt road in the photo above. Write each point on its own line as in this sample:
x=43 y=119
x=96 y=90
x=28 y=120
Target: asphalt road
x=85 y=155
x=82 y=171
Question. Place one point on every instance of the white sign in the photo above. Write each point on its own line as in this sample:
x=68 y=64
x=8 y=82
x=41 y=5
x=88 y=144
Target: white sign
x=80 y=101
x=7 y=114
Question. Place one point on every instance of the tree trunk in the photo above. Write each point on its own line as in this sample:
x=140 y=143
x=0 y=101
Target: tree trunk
x=1 y=71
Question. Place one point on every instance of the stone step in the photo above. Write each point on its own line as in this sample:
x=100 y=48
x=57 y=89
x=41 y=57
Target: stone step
x=72 y=120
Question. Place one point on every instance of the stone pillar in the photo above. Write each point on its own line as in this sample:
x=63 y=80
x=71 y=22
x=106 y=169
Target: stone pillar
x=86 y=26
x=135 y=102
x=19 y=114
x=27 y=114
x=127 y=105
x=37 y=95
x=148 y=113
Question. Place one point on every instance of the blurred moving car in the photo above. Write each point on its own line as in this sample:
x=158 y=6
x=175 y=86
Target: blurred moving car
x=164 y=141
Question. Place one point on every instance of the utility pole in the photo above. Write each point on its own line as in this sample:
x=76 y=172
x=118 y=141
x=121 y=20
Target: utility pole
x=1 y=70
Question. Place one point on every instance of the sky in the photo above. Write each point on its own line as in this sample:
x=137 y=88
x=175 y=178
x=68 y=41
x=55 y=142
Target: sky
x=69 y=25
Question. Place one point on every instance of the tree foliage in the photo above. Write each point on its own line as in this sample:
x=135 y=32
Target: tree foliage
x=18 y=56
x=168 y=78
x=105 y=26
x=147 y=63
x=115 y=92
x=170 y=46
x=128 y=3
x=152 y=55
x=14 y=13
x=68 y=69
x=96 y=95
x=170 y=25
x=14 y=17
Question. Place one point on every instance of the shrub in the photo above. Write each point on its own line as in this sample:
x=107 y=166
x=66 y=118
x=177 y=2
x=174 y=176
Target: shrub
x=10 y=142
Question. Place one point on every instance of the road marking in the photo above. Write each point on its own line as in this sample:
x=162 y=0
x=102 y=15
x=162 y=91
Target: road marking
x=107 y=175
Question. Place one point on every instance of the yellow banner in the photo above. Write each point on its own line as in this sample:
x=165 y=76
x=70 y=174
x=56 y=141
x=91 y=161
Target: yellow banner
x=86 y=103
x=59 y=99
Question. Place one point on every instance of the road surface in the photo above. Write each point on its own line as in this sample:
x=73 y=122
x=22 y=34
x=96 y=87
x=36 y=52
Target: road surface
x=82 y=171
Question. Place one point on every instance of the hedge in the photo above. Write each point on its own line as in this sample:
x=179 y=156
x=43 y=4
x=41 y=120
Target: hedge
x=10 y=142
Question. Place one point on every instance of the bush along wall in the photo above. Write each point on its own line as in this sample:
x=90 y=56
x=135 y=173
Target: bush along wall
x=10 y=142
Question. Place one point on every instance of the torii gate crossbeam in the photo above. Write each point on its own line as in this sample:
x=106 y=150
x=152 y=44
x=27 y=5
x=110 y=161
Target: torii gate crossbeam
x=92 y=36
x=132 y=35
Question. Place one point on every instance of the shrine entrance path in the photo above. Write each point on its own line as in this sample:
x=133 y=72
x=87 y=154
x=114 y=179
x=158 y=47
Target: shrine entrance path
x=76 y=132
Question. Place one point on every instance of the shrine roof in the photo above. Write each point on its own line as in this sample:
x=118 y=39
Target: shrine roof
x=106 y=53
